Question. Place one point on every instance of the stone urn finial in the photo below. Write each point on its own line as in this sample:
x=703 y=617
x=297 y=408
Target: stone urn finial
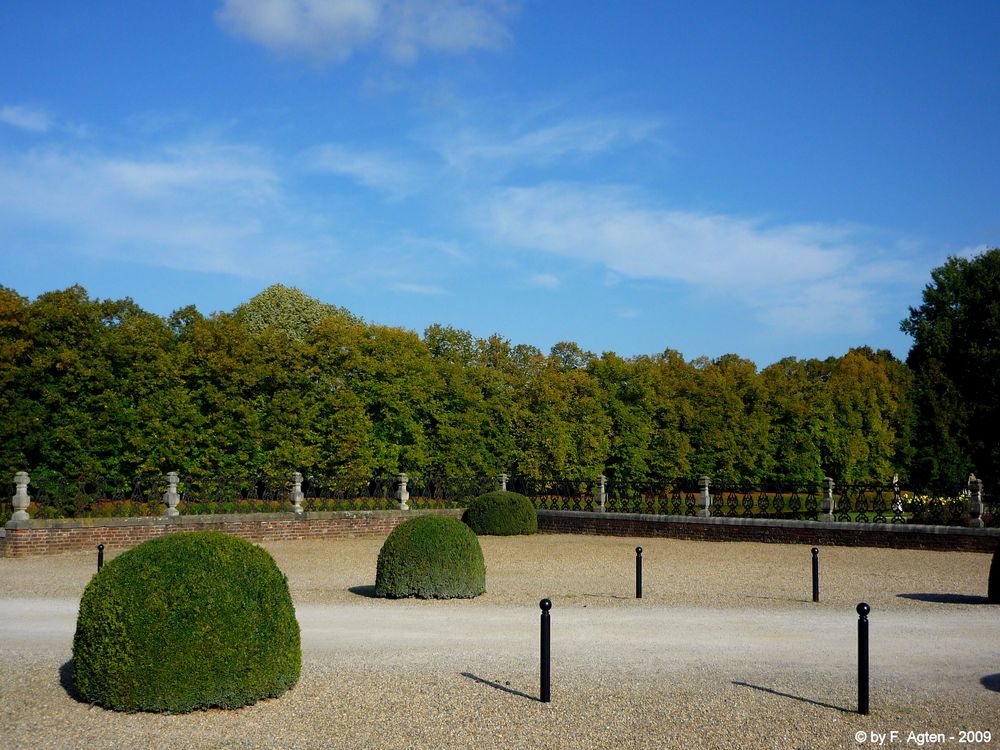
x=170 y=497
x=21 y=499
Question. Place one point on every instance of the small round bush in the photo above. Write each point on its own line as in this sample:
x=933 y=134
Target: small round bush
x=501 y=514
x=431 y=557
x=186 y=621
x=993 y=591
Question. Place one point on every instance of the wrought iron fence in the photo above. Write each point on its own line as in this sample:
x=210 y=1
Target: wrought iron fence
x=95 y=497
x=447 y=492
x=788 y=500
x=348 y=493
x=211 y=495
x=83 y=497
x=991 y=509
x=674 y=497
x=556 y=494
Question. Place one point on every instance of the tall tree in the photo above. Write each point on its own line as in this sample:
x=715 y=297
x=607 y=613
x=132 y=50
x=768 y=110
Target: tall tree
x=955 y=359
x=287 y=310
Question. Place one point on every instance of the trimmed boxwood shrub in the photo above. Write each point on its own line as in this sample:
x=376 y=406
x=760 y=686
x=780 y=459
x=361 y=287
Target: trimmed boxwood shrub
x=501 y=514
x=186 y=621
x=431 y=557
x=993 y=590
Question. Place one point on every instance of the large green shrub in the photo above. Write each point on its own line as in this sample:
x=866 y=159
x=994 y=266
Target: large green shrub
x=431 y=557
x=993 y=589
x=501 y=514
x=190 y=620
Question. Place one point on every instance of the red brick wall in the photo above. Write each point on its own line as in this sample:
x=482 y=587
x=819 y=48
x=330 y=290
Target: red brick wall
x=740 y=530
x=50 y=537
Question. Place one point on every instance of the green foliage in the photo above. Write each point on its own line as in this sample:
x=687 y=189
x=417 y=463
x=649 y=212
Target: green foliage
x=288 y=311
x=993 y=590
x=431 y=557
x=955 y=359
x=287 y=383
x=501 y=514
x=187 y=621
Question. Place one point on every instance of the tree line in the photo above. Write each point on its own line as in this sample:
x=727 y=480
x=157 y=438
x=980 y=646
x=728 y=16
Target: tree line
x=286 y=383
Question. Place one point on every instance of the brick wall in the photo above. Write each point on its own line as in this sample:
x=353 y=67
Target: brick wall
x=898 y=536
x=43 y=537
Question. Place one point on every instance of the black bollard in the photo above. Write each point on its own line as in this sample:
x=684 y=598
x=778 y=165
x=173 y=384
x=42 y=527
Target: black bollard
x=100 y=556
x=638 y=572
x=546 y=687
x=863 y=610
x=815 y=574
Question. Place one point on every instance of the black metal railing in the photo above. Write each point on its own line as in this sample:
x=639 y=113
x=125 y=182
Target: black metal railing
x=95 y=497
x=427 y=492
x=322 y=493
x=213 y=495
x=83 y=497
x=788 y=500
x=674 y=497
x=555 y=494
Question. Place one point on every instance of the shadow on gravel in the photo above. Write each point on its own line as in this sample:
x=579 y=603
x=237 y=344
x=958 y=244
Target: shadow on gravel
x=991 y=682
x=365 y=591
x=794 y=697
x=946 y=598
x=66 y=681
x=497 y=685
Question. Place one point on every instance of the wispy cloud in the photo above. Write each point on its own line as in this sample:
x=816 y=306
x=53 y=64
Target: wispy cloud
x=424 y=289
x=472 y=150
x=25 y=118
x=544 y=280
x=972 y=251
x=373 y=169
x=801 y=276
x=204 y=207
x=332 y=30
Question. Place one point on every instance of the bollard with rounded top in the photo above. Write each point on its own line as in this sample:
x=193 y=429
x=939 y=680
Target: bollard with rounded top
x=638 y=572
x=863 y=610
x=545 y=689
x=815 y=551
x=100 y=557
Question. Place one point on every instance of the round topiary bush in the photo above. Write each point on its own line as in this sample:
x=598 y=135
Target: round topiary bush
x=431 y=557
x=187 y=621
x=993 y=590
x=501 y=514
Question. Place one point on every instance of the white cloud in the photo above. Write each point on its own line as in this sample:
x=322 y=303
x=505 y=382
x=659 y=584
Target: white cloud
x=802 y=277
x=410 y=288
x=333 y=30
x=373 y=169
x=25 y=118
x=203 y=207
x=469 y=150
x=971 y=252
x=545 y=280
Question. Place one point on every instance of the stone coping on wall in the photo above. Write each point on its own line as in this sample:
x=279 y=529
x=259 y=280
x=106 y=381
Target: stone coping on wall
x=836 y=533
x=47 y=536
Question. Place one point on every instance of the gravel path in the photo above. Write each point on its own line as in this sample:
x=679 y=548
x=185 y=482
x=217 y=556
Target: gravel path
x=724 y=650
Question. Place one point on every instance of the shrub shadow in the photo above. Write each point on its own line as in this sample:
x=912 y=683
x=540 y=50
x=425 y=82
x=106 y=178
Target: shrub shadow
x=365 y=591
x=67 y=684
x=497 y=686
x=946 y=598
x=799 y=698
x=991 y=682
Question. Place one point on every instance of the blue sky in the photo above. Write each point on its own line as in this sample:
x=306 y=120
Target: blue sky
x=765 y=179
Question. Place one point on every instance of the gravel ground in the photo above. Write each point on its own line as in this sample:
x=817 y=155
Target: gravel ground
x=725 y=650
